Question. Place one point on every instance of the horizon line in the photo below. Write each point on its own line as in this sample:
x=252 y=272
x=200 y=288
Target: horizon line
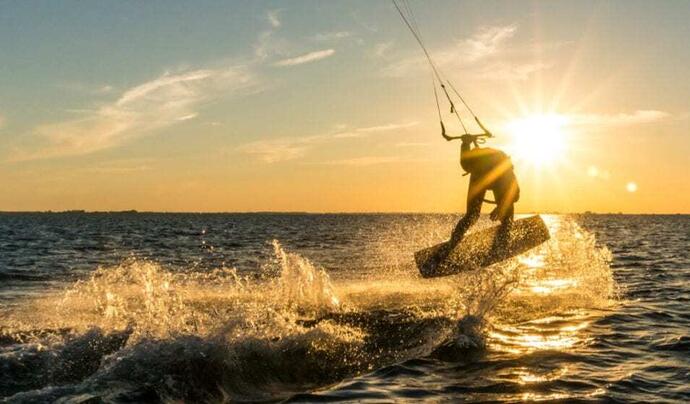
x=303 y=212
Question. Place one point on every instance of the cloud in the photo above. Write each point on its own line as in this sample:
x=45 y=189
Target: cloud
x=266 y=43
x=155 y=104
x=285 y=149
x=261 y=48
x=306 y=58
x=371 y=160
x=388 y=127
x=381 y=49
x=84 y=88
x=484 y=46
x=330 y=36
x=486 y=42
x=122 y=166
x=380 y=128
x=282 y=149
x=635 y=118
x=188 y=116
x=413 y=144
x=269 y=45
x=273 y=17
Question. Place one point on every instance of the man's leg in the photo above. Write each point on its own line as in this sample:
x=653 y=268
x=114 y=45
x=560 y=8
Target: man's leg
x=506 y=211
x=475 y=198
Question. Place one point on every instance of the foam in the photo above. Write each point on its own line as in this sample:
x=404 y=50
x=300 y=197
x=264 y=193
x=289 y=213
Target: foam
x=288 y=329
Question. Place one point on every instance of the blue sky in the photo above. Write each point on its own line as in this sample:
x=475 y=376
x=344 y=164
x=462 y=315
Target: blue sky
x=208 y=105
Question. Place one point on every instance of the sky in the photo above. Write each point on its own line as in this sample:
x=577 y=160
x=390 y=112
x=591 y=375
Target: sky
x=329 y=107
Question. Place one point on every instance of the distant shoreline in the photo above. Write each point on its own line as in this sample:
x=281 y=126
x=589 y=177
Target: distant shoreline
x=136 y=212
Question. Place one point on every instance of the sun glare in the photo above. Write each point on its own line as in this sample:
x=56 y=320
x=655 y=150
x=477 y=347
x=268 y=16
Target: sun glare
x=539 y=140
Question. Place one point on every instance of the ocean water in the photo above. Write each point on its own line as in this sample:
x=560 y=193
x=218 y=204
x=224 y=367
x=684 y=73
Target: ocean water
x=297 y=307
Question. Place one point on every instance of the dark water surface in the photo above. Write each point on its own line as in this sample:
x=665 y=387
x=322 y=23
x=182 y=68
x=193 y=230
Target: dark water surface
x=245 y=307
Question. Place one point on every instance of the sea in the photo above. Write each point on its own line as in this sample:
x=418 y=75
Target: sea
x=265 y=307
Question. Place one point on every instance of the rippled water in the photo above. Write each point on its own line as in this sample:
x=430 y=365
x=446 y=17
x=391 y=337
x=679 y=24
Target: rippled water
x=229 y=307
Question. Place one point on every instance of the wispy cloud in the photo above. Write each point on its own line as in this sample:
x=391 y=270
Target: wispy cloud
x=188 y=116
x=330 y=36
x=285 y=149
x=306 y=58
x=273 y=17
x=485 y=42
x=359 y=132
x=381 y=49
x=388 y=127
x=413 y=144
x=370 y=161
x=282 y=149
x=483 y=46
x=155 y=104
x=90 y=89
x=126 y=166
x=267 y=44
x=620 y=119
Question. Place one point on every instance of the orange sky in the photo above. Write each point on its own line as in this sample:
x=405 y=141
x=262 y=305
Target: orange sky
x=328 y=107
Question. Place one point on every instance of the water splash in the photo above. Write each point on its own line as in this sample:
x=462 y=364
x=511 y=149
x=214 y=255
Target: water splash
x=569 y=272
x=301 y=284
x=217 y=334
x=168 y=322
x=562 y=287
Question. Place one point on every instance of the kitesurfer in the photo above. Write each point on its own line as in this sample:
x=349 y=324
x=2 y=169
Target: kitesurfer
x=489 y=169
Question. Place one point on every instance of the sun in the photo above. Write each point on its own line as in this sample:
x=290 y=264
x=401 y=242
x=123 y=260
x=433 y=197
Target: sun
x=539 y=140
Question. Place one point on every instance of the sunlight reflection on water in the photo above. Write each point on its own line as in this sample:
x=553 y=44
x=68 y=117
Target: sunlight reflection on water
x=545 y=326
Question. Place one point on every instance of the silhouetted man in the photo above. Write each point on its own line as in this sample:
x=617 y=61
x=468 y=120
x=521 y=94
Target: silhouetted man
x=489 y=169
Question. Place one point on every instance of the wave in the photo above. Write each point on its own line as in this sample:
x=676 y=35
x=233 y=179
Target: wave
x=139 y=332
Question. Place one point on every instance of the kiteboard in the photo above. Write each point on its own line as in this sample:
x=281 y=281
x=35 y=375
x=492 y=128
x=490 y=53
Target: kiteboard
x=477 y=250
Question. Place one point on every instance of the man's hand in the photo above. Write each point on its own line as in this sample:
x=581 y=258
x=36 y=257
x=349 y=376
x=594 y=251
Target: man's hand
x=467 y=138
